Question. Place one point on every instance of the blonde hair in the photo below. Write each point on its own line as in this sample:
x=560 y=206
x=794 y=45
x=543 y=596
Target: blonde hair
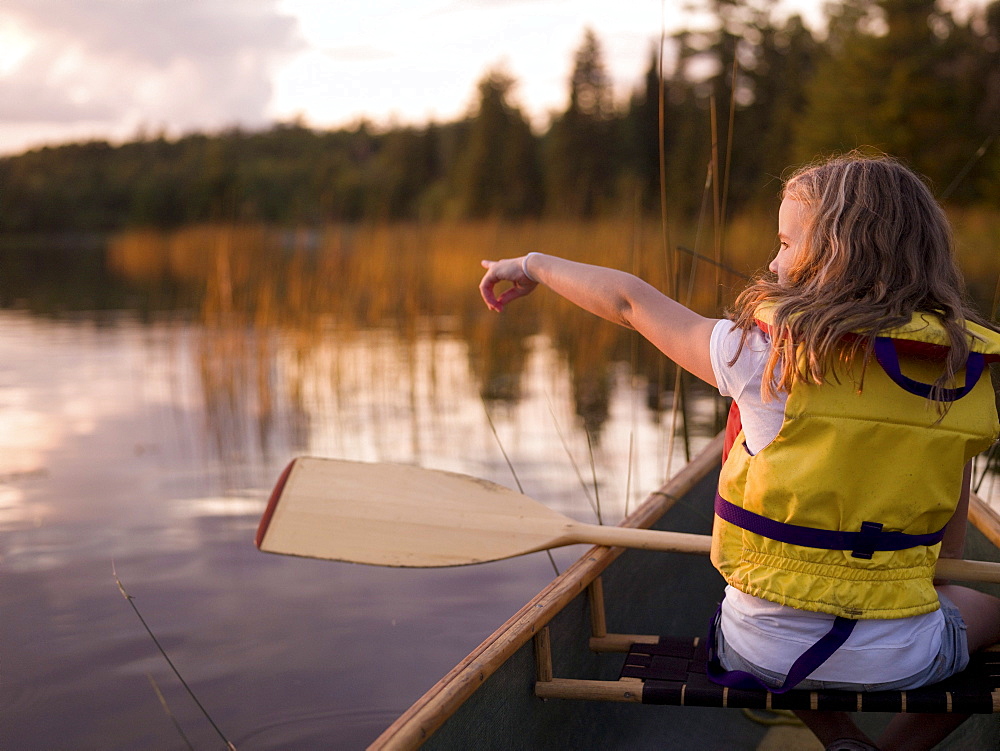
x=876 y=248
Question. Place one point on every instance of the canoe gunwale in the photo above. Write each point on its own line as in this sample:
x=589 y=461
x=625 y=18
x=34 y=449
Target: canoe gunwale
x=985 y=519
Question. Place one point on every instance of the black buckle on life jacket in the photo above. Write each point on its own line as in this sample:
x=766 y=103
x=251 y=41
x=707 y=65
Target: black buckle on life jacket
x=867 y=540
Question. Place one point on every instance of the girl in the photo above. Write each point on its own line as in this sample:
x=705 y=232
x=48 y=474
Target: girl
x=856 y=370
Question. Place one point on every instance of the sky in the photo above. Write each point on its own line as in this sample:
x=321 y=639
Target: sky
x=74 y=70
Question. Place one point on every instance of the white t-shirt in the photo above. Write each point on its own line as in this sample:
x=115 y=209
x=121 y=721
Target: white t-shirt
x=772 y=636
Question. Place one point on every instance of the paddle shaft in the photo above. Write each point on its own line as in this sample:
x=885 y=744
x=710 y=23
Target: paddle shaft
x=970 y=571
x=681 y=542
x=643 y=539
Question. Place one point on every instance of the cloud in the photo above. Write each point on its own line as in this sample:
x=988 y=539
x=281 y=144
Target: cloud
x=182 y=63
x=359 y=53
x=28 y=97
x=464 y=4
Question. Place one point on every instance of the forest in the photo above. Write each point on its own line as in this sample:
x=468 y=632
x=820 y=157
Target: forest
x=736 y=101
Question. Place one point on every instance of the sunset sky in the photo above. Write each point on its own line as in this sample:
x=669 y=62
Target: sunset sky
x=78 y=69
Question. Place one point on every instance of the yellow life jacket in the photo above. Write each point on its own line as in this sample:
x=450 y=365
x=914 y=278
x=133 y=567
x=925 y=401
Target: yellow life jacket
x=880 y=467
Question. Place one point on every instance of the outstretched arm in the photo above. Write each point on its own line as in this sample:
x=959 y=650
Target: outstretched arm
x=678 y=332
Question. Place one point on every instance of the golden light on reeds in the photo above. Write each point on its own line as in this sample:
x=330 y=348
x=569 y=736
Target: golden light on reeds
x=248 y=285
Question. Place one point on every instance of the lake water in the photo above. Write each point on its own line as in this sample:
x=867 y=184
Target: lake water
x=140 y=438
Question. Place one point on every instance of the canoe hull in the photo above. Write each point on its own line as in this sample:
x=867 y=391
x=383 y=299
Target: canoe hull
x=488 y=701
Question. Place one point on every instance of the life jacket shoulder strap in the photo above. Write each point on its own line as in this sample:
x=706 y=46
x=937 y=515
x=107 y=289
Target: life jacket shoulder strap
x=888 y=358
x=887 y=350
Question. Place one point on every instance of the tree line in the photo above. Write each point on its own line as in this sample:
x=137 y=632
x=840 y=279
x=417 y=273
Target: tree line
x=731 y=106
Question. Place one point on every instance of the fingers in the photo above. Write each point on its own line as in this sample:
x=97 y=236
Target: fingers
x=512 y=294
x=487 y=285
x=507 y=270
x=486 y=291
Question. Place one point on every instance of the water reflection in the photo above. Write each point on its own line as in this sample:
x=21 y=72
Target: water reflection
x=414 y=280
x=149 y=440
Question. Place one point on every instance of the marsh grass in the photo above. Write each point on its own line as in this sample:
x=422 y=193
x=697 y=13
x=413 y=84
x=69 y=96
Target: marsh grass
x=411 y=275
x=421 y=280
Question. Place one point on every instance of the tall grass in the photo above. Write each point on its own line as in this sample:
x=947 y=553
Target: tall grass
x=412 y=275
x=421 y=279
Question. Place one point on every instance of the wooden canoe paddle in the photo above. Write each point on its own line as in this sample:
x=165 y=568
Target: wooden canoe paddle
x=401 y=515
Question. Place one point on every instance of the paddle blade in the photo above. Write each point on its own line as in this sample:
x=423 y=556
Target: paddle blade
x=400 y=515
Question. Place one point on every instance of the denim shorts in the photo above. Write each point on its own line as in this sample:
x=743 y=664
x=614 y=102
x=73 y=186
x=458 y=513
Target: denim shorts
x=953 y=658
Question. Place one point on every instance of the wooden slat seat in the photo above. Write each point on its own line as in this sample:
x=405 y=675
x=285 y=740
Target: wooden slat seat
x=672 y=671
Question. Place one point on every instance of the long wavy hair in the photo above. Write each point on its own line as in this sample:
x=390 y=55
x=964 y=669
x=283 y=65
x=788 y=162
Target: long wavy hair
x=876 y=248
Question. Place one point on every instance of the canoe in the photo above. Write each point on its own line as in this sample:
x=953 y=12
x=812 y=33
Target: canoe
x=605 y=600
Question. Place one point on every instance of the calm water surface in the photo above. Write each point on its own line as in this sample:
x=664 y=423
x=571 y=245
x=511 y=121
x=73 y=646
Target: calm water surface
x=147 y=444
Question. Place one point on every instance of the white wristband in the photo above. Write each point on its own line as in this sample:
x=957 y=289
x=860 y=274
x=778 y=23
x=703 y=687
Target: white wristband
x=524 y=267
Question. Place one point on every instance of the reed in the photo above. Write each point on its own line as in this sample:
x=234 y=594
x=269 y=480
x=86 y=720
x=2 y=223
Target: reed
x=176 y=672
x=374 y=275
x=408 y=273
x=513 y=472
x=248 y=284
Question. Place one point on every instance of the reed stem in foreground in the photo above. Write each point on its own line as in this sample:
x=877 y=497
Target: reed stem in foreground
x=128 y=597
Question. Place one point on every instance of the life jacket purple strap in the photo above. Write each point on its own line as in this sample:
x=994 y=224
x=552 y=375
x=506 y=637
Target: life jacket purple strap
x=801 y=669
x=885 y=353
x=862 y=544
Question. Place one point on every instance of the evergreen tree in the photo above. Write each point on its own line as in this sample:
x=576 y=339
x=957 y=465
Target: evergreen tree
x=497 y=173
x=407 y=164
x=896 y=79
x=772 y=63
x=580 y=149
x=978 y=179
x=775 y=79
x=641 y=135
